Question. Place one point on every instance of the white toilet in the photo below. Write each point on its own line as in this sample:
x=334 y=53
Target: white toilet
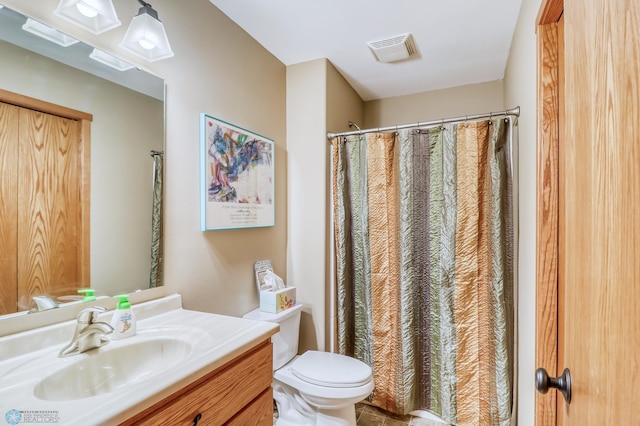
x=315 y=388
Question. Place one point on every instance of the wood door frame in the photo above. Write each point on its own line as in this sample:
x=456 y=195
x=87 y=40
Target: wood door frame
x=549 y=113
x=84 y=165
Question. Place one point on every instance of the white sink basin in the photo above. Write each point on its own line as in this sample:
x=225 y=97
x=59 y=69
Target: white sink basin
x=111 y=367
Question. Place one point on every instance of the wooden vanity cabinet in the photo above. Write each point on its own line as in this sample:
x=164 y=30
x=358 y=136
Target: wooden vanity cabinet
x=237 y=393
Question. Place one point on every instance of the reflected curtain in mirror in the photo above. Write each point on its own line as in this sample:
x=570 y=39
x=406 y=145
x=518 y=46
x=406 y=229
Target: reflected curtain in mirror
x=424 y=267
x=155 y=279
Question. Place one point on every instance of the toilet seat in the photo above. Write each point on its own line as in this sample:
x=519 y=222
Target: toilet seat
x=322 y=396
x=331 y=370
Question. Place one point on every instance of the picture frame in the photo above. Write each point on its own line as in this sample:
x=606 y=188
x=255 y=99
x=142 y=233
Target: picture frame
x=238 y=176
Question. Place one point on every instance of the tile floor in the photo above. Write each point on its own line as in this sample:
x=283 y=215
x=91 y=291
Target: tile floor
x=368 y=415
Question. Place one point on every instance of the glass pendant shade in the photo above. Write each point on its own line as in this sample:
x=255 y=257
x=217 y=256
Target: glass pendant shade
x=96 y=16
x=146 y=37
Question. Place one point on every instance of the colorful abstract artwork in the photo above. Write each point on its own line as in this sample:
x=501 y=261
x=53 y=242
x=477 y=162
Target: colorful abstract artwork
x=237 y=177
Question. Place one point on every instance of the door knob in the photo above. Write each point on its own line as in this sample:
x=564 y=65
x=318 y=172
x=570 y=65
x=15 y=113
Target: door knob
x=562 y=383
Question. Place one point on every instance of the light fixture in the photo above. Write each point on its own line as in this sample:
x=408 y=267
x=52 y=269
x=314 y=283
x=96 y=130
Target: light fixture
x=146 y=36
x=96 y=16
x=110 y=60
x=48 y=33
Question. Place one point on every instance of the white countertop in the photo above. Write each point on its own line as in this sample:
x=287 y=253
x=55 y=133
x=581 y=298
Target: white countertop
x=26 y=358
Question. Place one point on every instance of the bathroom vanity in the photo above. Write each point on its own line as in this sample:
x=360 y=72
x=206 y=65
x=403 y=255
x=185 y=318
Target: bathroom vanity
x=238 y=393
x=182 y=367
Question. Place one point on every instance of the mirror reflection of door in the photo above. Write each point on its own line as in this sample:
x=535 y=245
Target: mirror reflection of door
x=44 y=201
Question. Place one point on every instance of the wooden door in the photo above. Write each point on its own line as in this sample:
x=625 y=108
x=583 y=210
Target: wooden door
x=601 y=222
x=597 y=169
x=9 y=116
x=44 y=204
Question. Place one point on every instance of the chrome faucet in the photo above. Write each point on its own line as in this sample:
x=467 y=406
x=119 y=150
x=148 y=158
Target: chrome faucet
x=89 y=334
x=43 y=303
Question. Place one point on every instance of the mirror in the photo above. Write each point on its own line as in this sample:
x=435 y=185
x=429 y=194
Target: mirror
x=127 y=126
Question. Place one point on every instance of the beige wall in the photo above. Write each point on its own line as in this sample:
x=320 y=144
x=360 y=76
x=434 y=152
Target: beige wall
x=120 y=163
x=318 y=100
x=306 y=165
x=453 y=102
x=520 y=89
x=220 y=70
x=343 y=105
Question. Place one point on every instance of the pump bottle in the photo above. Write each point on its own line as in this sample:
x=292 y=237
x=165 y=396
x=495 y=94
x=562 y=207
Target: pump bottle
x=124 y=320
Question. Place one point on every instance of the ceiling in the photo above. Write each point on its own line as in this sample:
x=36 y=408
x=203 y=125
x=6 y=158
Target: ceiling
x=458 y=42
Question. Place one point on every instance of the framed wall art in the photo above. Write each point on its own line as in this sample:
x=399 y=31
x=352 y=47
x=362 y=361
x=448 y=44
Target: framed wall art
x=237 y=177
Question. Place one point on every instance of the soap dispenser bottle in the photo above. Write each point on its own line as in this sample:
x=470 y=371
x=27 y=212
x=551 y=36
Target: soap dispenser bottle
x=123 y=321
x=89 y=295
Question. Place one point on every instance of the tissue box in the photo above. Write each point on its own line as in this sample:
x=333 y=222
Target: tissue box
x=277 y=301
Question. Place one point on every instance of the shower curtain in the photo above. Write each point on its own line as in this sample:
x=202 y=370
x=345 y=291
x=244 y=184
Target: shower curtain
x=155 y=278
x=424 y=267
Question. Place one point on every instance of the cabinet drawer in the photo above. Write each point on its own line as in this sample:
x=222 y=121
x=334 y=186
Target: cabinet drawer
x=218 y=396
x=258 y=413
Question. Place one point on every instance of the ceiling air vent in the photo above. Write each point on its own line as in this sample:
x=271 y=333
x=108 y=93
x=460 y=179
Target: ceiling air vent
x=393 y=49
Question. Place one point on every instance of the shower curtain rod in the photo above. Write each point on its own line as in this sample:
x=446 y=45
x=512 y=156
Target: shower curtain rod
x=510 y=112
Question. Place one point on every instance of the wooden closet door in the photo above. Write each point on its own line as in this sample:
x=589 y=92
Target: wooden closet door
x=48 y=205
x=8 y=208
x=44 y=200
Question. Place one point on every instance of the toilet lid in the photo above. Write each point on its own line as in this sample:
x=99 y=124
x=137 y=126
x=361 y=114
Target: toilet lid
x=332 y=370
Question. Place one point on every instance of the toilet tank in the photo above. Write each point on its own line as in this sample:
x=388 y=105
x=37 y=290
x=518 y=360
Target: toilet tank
x=285 y=342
